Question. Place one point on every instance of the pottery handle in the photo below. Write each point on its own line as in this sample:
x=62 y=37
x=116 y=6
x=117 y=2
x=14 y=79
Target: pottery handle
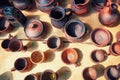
x=13 y=69
x=10 y=36
x=68 y=12
x=77 y=64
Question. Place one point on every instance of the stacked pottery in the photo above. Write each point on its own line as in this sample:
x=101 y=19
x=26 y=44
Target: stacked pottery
x=46 y=5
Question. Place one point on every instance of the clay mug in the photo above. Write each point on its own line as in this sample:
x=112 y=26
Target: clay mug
x=5 y=25
x=98 y=5
x=34 y=29
x=112 y=73
x=101 y=37
x=22 y=64
x=33 y=77
x=70 y=56
x=59 y=16
x=75 y=30
x=46 y=5
x=98 y=55
x=80 y=6
x=48 y=75
x=109 y=15
x=22 y=4
x=94 y=72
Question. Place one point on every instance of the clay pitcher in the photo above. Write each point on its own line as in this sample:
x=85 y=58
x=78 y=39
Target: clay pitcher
x=109 y=15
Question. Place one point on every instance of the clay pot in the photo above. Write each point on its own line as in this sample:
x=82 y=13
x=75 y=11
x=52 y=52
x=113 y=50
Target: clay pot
x=33 y=77
x=59 y=16
x=34 y=29
x=101 y=37
x=111 y=73
x=5 y=25
x=117 y=36
x=80 y=6
x=48 y=75
x=109 y=15
x=22 y=4
x=46 y=5
x=98 y=56
x=98 y=5
x=22 y=64
x=114 y=49
x=70 y=56
x=75 y=30
x=5 y=44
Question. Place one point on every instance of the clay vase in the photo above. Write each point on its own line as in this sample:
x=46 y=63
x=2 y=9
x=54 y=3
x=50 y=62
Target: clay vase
x=5 y=25
x=75 y=30
x=22 y=4
x=59 y=16
x=23 y=64
x=109 y=15
x=98 y=5
x=48 y=75
x=80 y=6
x=46 y=5
x=101 y=37
x=111 y=73
x=34 y=29
x=114 y=49
x=33 y=77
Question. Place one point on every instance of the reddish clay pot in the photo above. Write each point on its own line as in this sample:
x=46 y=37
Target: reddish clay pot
x=75 y=30
x=33 y=77
x=70 y=56
x=22 y=64
x=48 y=75
x=80 y=6
x=98 y=56
x=46 y=5
x=111 y=73
x=118 y=36
x=5 y=25
x=115 y=49
x=59 y=16
x=34 y=29
x=98 y=5
x=101 y=37
x=109 y=15
x=22 y=4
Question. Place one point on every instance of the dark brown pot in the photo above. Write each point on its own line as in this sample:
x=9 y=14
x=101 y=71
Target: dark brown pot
x=80 y=6
x=109 y=15
x=33 y=77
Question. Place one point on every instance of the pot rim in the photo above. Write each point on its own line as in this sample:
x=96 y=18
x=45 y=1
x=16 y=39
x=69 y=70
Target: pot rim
x=50 y=2
x=86 y=2
x=31 y=75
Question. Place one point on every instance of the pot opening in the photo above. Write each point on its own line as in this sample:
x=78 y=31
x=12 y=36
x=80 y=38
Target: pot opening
x=35 y=25
x=20 y=64
x=5 y=43
x=53 y=42
x=57 y=14
x=114 y=6
x=79 y=1
x=94 y=57
x=30 y=77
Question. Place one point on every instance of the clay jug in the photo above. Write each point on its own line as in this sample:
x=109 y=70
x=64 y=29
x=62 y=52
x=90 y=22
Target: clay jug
x=109 y=15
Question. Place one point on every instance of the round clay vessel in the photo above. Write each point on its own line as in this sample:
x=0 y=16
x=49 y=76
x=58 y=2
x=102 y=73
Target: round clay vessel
x=100 y=37
x=5 y=44
x=32 y=77
x=69 y=56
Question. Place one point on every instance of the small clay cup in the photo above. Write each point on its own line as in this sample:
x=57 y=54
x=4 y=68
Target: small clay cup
x=33 y=77
x=98 y=56
x=22 y=64
x=34 y=29
x=75 y=30
x=70 y=56
x=101 y=37
x=111 y=73
x=48 y=75
x=114 y=49
x=37 y=57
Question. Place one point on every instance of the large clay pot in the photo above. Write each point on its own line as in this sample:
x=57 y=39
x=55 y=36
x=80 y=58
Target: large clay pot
x=109 y=15
x=80 y=6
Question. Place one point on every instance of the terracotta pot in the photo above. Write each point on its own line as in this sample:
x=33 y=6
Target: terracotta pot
x=5 y=25
x=98 y=56
x=37 y=57
x=34 y=29
x=80 y=6
x=75 y=30
x=109 y=15
x=111 y=73
x=46 y=5
x=22 y=64
x=59 y=16
x=98 y=5
x=70 y=56
x=48 y=75
x=22 y=4
x=101 y=37
x=14 y=16
x=33 y=77
x=114 y=49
